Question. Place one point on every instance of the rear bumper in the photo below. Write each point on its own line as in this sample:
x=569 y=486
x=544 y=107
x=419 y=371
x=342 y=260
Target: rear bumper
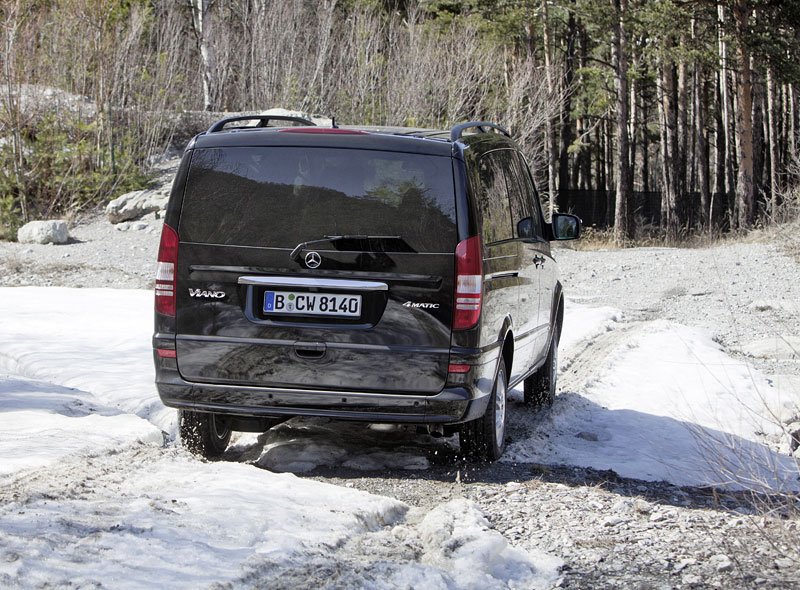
x=450 y=406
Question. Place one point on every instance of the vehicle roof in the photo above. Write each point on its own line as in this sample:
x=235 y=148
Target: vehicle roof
x=401 y=139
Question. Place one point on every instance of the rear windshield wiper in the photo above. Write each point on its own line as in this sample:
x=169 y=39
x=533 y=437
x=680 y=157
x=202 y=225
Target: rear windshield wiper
x=295 y=255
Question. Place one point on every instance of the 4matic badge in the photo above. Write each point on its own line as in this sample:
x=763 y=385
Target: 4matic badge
x=206 y=294
x=421 y=305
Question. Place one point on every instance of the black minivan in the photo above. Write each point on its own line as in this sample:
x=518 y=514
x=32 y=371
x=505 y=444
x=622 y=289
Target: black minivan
x=377 y=274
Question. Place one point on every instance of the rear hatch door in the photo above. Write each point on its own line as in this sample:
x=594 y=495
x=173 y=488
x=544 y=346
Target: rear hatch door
x=316 y=268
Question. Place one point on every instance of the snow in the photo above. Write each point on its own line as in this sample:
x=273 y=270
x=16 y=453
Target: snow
x=182 y=523
x=582 y=324
x=667 y=404
x=457 y=533
x=92 y=498
x=96 y=340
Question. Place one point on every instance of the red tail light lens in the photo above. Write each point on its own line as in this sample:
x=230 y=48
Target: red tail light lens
x=165 y=273
x=469 y=283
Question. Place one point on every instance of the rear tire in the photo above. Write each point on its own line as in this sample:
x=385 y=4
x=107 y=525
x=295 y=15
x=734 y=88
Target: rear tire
x=203 y=433
x=540 y=388
x=484 y=438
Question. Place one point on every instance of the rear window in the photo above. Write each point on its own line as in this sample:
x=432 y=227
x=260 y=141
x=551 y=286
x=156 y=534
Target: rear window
x=279 y=197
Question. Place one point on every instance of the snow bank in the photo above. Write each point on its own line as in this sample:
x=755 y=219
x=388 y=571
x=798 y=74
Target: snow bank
x=42 y=424
x=582 y=324
x=96 y=340
x=178 y=523
x=669 y=404
x=457 y=537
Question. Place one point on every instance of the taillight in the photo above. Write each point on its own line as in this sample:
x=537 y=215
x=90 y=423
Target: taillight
x=469 y=283
x=165 y=273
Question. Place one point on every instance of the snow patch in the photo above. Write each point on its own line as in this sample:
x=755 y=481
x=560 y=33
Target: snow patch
x=582 y=324
x=458 y=538
x=181 y=522
x=784 y=347
x=43 y=423
x=96 y=340
x=669 y=404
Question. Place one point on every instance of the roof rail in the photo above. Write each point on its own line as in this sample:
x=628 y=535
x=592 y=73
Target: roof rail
x=482 y=126
x=263 y=121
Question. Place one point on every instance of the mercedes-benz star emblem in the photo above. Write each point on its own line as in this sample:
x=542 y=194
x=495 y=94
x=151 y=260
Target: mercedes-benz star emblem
x=313 y=260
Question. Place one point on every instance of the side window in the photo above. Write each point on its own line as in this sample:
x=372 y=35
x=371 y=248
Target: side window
x=493 y=197
x=518 y=194
x=529 y=194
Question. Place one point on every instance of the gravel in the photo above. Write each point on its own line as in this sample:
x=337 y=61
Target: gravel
x=611 y=532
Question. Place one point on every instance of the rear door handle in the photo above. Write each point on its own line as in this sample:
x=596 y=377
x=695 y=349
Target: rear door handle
x=310 y=350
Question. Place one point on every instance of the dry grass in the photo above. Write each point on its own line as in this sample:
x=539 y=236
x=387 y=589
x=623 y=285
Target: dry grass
x=785 y=234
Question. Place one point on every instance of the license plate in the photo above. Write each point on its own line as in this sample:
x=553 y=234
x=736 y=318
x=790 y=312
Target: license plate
x=312 y=304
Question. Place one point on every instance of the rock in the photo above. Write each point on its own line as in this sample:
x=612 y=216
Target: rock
x=136 y=204
x=612 y=521
x=771 y=305
x=794 y=437
x=774 y=347
x=624 y=506
x=691 y=580
x=722 y=563
x=784 y=563
x=44 y=232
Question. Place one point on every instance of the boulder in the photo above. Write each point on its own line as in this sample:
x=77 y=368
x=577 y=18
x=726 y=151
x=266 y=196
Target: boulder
x=44 y=232
x=136 y=204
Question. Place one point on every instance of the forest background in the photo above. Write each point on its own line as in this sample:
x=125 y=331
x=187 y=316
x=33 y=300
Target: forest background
x=672 y=117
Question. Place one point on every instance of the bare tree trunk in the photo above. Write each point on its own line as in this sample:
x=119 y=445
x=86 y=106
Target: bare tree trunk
x=645 y=148
x=11 y=83
x=760 y=147
x=633 y=125
x=566 y=122
x=624 y=184
x=550 y=129
x=727 y=121
x=683 y=131
x=792 y=122
x=324 y=34
x=701 y=107
x=744 y=120
x=203 y=26
x=599 y=152
x=669 y=148
x=772 y=139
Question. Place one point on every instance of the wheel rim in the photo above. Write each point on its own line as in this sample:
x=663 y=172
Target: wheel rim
x=216 y=432
x=554 y=368
x=500 y=410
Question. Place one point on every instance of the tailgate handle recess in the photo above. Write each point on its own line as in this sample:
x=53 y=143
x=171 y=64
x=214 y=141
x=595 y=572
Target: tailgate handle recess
x=310 y=350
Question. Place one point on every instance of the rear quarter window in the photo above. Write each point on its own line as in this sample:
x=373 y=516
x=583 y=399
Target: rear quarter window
x=279 y=197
